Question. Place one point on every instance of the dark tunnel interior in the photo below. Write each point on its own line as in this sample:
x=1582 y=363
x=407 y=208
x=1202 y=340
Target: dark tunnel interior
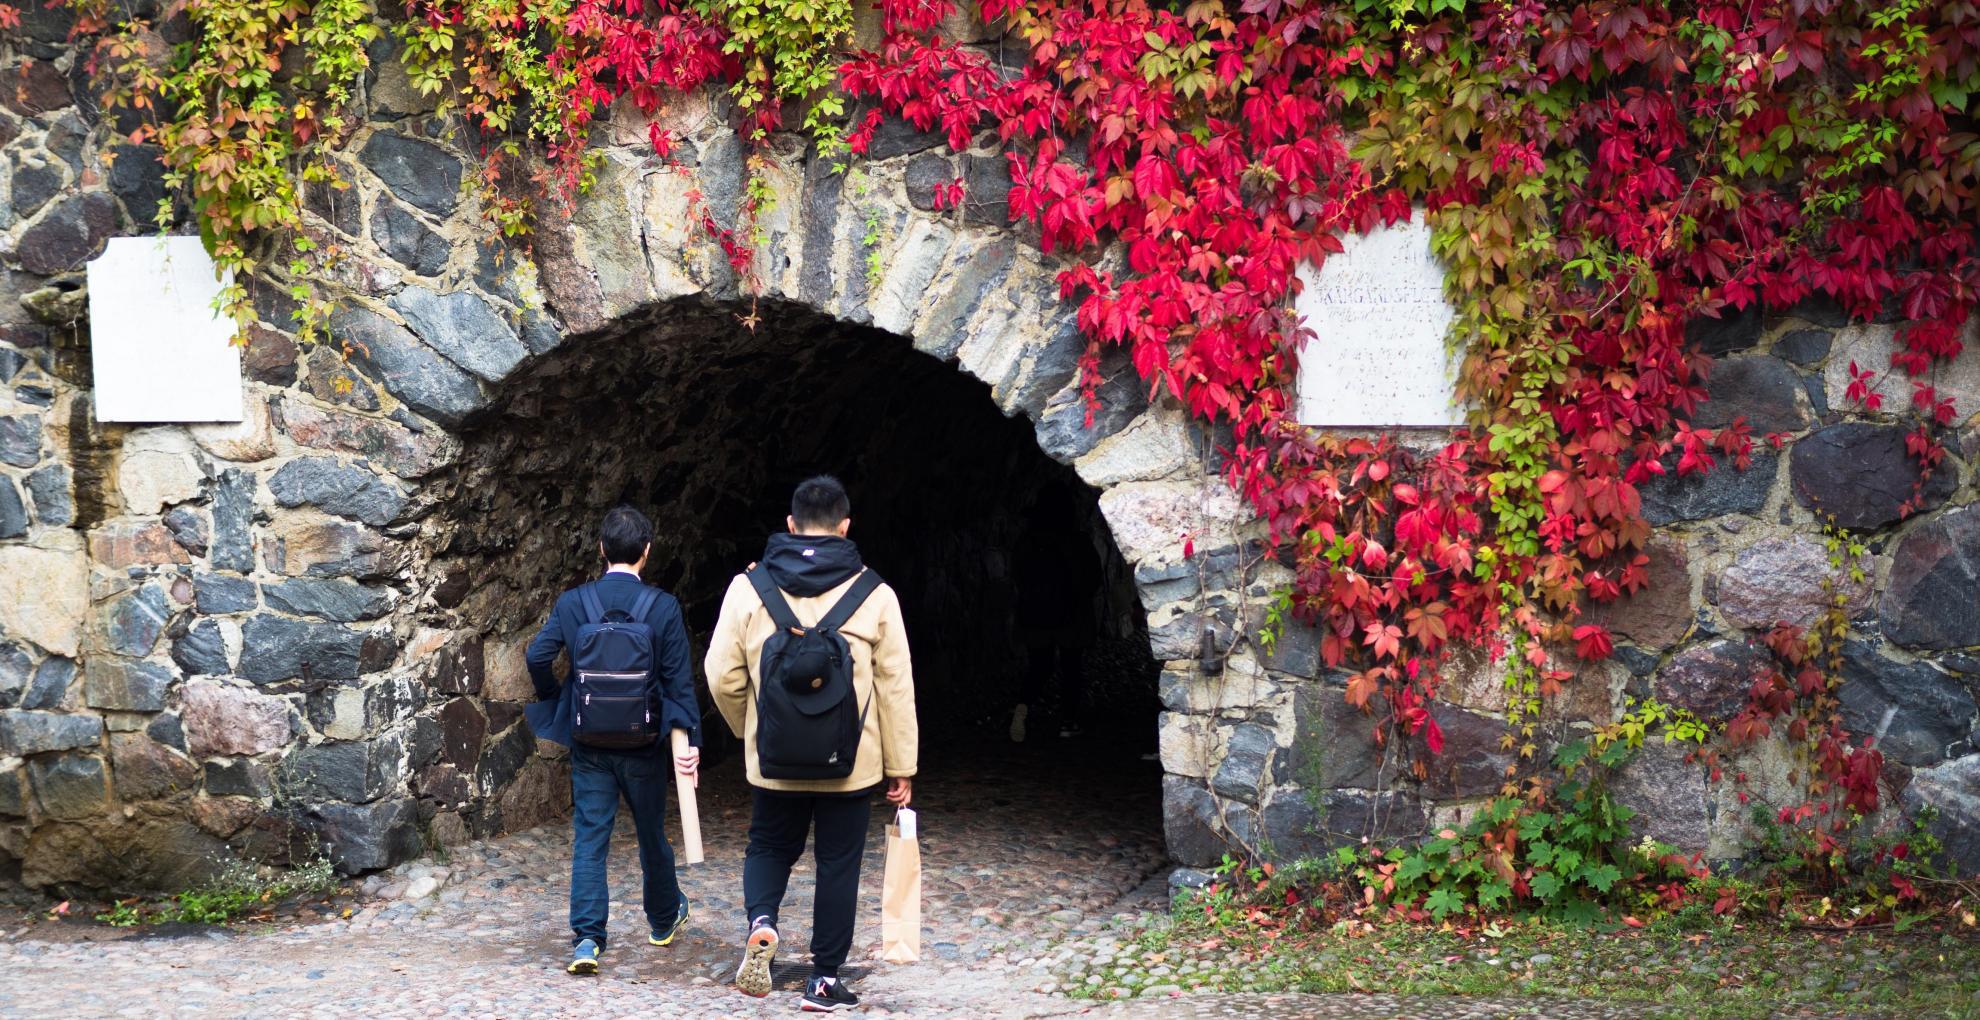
x=999 y=554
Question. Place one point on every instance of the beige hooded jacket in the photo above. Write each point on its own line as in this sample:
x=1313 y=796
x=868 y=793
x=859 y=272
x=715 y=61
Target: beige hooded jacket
x=882 y=673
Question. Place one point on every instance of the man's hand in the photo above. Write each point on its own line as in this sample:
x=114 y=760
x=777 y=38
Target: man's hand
x=900 y=791
x=689 y=764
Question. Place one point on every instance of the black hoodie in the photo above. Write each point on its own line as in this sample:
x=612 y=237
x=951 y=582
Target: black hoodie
x=808 y=565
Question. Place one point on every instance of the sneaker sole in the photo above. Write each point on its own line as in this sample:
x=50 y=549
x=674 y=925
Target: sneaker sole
x=582 y=968
x=679 y=923
x=753 y=977
x=805 y=1005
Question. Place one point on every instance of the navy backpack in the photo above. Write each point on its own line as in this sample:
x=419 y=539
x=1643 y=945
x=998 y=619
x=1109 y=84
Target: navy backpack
x=612 y=665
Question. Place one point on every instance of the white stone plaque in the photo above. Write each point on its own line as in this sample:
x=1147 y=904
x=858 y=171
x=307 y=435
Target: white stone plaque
x=160 y=350
x=1378 y=358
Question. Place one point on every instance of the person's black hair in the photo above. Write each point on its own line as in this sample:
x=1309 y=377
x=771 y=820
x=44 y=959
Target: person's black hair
x=820 y=502
x=625 y=533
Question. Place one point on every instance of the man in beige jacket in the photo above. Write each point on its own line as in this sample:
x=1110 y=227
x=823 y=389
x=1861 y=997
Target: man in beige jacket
x=814 y=569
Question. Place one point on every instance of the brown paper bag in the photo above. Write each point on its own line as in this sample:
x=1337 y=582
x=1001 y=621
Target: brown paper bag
x=900 y=893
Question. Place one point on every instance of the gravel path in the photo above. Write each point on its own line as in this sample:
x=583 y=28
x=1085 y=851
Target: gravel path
x=1011 y=882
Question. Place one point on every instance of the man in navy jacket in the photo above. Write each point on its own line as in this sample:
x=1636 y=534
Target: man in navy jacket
x=600 y=776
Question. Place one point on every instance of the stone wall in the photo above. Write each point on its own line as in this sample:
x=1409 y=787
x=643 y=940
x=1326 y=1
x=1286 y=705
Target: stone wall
x=305 y=630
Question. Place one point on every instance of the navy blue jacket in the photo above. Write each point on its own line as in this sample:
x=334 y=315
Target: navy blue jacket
x=550 y=717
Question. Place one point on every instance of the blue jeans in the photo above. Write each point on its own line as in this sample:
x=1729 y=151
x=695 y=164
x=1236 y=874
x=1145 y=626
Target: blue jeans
x=598 y=780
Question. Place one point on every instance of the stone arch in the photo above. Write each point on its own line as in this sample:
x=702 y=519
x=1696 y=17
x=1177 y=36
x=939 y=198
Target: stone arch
x=245 y=639
x=625 y=277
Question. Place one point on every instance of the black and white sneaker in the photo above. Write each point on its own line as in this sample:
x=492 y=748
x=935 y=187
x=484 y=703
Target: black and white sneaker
x=827 y=995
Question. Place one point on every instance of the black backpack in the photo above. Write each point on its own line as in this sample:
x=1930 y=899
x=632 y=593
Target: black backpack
x=612 y=664
x=808 y=716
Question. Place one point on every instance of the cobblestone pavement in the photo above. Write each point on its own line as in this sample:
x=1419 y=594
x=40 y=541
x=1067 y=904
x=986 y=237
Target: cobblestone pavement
x=1016 y=863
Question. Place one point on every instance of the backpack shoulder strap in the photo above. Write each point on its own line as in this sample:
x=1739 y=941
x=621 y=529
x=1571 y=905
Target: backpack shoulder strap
x=850 y=602
x=643 y=605
x=594 y=610
x=773 y=599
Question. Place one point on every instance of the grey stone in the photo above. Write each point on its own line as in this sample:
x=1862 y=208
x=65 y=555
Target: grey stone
x=1930 y=598
x=72 y=786
x=1722 y=490
x=201 y=651
x=366 y=837
x=68 y=235
x=11 y=362
x=332 y=380
x=1783 y=579
x=137 y=177
x=1472 y=763
x=1711 y=679
x=1333 y=743
x=16 y=673
x=65 y=140
x=722 y=174
x=343 y=210
x=34 y=184
x=348 y=770
x=464 y=328
x=941 y=332
x=233 y=515
x=50 y=687
x=327 y=599
x=407 y=241
x=987 y=190
x=166 y=728
x=24 y=731
x=1862 y=475
x=1764 y=390
x=1659 y=614
x=1952 y=793
x=923 y=175
x=540 y=332
x=462 y=730
x=1804 y=346
x=215 y=594
x=13 y=790
x=1063 y=431
x=20 y=439
x=135 y=620
x=1192 y=822
x=189 y=528
x=238 y=777
x=1296 y=650
x=822 y=191
x=144 y=769
x=504 y=758
x=49 y=487
x=415 y=373
x=460 y=668
x=1734 y=329
x=339 y=488
x=1243 y=768
x=275 y=648
x=1916 y=714
x=125 y=685
x=419 y=172
x=1342 y=818
x=896 y=137
x=13 y=511
x=1668 y=794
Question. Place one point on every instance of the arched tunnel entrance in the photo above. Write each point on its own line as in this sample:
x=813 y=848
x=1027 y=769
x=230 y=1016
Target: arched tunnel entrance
x=706 y=424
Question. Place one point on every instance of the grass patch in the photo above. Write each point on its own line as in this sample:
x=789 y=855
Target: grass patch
x=1692 y=966
x=239 y=890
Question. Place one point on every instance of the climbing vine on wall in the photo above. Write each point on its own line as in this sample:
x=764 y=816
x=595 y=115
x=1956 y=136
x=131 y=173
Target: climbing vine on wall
x=1597 y=175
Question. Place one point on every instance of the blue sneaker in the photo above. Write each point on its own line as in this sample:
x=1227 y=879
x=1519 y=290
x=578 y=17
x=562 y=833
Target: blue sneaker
x=661 y=938
x=584 y=958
